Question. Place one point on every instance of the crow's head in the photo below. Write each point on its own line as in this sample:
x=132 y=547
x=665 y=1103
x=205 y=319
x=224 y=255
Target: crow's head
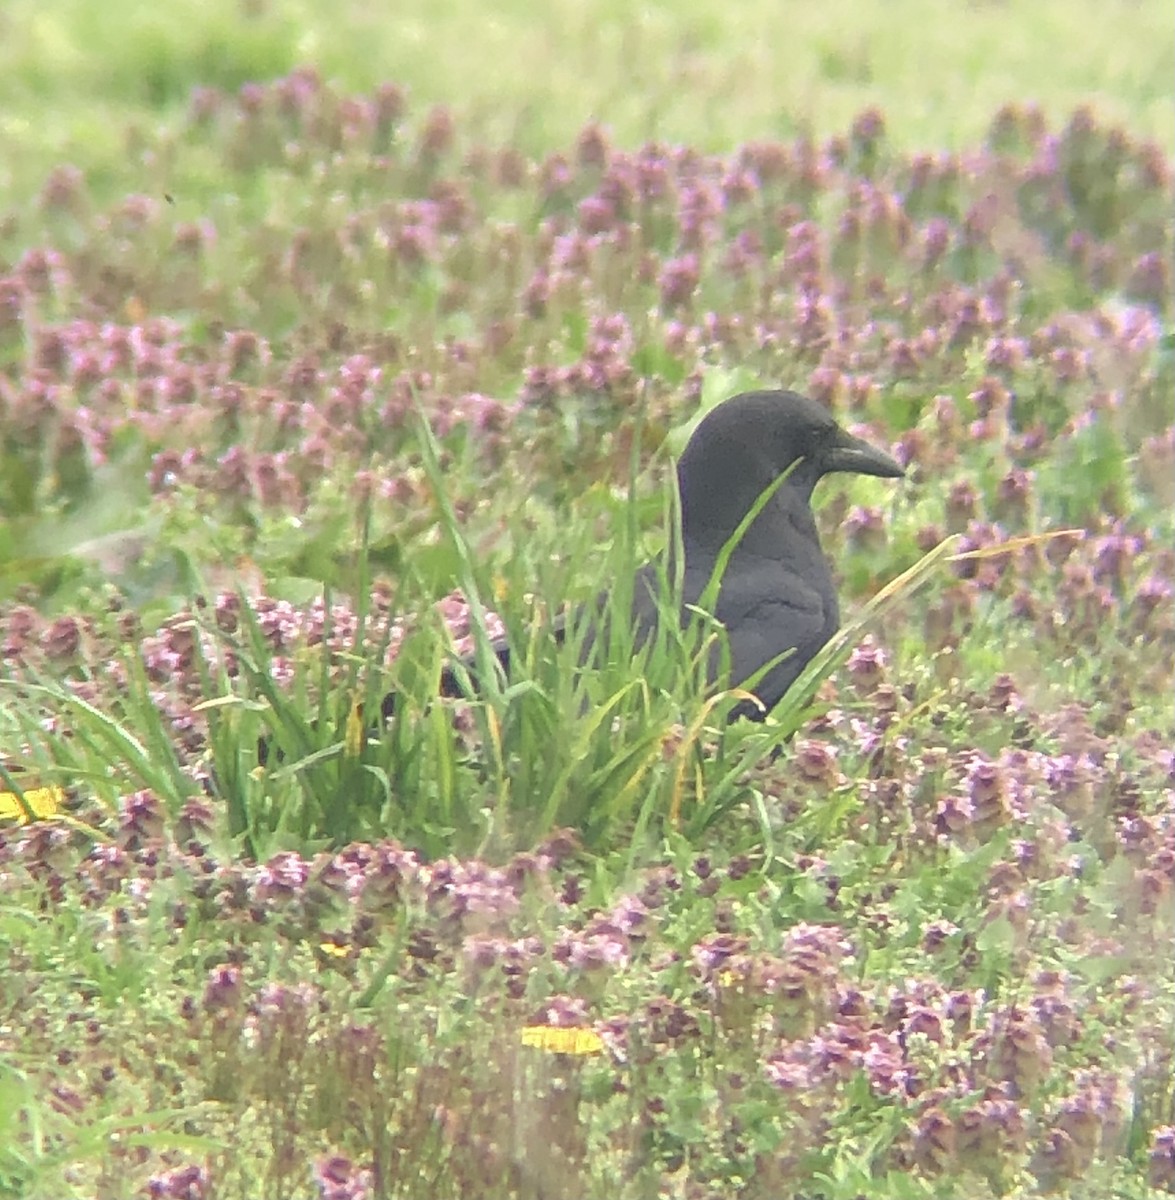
x=744 y=444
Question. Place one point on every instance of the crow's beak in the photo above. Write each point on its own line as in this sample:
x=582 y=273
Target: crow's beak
x=852 y=454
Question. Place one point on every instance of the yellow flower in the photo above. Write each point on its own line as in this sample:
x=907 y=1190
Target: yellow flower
x=562 y=1041
x=40 y=801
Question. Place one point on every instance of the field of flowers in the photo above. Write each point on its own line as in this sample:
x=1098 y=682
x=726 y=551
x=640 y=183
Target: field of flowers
x=270 y=454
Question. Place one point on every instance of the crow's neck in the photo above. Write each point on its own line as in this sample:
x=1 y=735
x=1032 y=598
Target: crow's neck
x=713 y=506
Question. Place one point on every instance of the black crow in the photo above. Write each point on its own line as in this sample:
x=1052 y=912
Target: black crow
x=776 y=593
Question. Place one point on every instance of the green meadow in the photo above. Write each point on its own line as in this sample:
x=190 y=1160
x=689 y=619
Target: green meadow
x=337 y=342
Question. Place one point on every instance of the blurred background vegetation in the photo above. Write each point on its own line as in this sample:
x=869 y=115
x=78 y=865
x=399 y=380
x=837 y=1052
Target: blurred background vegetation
x=78 y=80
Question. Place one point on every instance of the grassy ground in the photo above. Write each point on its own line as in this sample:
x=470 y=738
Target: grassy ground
x=75 y=77
x=306 y=382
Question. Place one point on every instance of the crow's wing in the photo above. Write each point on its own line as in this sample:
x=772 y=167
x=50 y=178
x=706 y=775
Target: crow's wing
x=768 y=607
